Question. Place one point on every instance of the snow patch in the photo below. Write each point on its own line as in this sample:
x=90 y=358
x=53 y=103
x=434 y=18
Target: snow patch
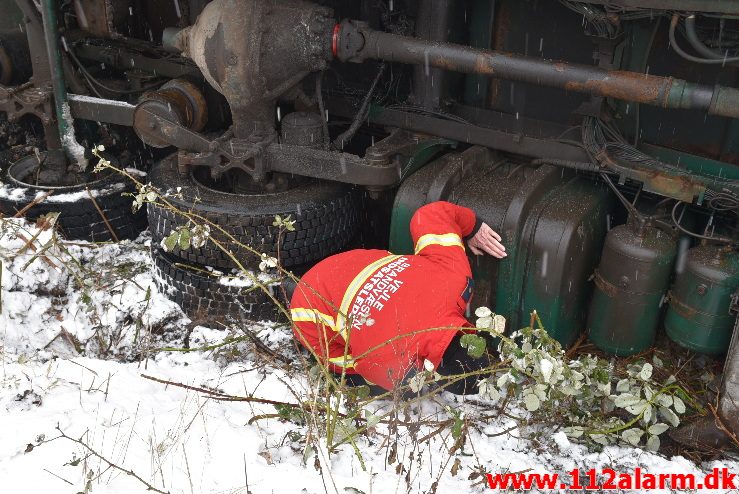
x=182 y=440
x=73 y=148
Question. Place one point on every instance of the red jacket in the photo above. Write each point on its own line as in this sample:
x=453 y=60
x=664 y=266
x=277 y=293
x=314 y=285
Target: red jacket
x=378 y=314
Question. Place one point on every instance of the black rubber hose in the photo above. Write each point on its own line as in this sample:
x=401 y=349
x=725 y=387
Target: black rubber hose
x=724 y=240
x=572 y=165
x=688 y=56
x=347 y=136
x=322 y=109
x=692 y=36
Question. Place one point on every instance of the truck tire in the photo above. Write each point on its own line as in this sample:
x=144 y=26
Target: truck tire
x=79 y=218
x=203 y=296
x=326 y=218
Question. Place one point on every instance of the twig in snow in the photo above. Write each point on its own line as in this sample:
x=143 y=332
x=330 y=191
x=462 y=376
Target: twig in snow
x=221 y=396
x=102 y=215
x=133 y=474
x=22 y=212
x=259 y=344
x=57 y=476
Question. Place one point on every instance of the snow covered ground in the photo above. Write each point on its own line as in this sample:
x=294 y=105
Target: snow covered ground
x=77 y=339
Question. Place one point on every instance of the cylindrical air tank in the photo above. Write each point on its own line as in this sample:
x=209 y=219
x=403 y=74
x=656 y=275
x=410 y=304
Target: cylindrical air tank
x=630 y=283
x=698 y=316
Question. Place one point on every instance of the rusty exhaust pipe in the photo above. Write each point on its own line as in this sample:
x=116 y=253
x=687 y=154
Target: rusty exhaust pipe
x=354 y=41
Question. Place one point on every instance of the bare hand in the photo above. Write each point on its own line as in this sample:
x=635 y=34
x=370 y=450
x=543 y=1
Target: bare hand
x=486 y=240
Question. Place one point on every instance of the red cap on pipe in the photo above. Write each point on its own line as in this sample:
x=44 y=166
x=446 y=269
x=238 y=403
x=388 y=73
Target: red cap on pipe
x=335 y=40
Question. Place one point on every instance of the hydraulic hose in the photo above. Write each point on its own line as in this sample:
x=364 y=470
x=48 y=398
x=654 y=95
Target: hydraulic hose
x=692 y=36
x=713 y=58
x=676 y=222
x=572 y=165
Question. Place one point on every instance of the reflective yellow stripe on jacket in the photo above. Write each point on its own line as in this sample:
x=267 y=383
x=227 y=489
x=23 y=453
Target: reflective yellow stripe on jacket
x=318 y=317
x=346 y=361
x=312 y=315
x=446 y=240
x=354 y=287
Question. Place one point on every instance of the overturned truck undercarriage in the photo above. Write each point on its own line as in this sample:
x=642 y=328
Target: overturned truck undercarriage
x=613 y=176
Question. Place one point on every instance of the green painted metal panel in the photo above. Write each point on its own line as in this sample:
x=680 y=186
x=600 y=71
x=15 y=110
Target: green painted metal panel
x=410 y=197
x=553 y=224
x=696 y=164
x=563 y=251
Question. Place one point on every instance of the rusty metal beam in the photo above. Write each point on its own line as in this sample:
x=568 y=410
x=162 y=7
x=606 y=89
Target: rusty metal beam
x=523 y=143
x=355 y=41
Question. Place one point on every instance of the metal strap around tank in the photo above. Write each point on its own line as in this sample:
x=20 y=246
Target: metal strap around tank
x=612 y=290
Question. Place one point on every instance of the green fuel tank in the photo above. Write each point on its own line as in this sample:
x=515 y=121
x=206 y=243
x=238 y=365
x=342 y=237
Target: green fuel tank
x=698 y=316
x=630 y=284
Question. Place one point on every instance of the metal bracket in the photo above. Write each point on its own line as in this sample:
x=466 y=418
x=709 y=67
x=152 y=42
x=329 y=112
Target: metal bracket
x=225 y=154
x=24 y=100
x=259 y=155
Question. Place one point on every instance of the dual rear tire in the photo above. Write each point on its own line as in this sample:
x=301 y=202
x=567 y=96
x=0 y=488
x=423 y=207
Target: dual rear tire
x=326 y=220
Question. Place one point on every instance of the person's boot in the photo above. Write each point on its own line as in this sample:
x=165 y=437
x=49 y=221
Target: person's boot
x=701 y=433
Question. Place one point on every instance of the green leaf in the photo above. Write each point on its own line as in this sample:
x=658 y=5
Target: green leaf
x=568 y=390
x=574 y=432
x=632 y=436
x=170 y=242
x=653 y=443
x=678 y=404
x=646 y=372
x=532 y=402
x=483 y=312
x=540 y=390
x=637 y=408
x=372 y=419
x=669 y=416
x=345 y=429
x=457 y=427
x=484 y=322
x=503 y=380
x=474 y=344
x=546 y=367
x=648 y=392
x=647 y=416
x=626 y=400
x=657 y=429
x=309 y=451
x=290 y=414
x=185 y=237
x=601 y=439
x=361 y=392
x=664 y=400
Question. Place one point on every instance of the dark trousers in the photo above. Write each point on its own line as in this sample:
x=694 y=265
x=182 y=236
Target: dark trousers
x=456 y=361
